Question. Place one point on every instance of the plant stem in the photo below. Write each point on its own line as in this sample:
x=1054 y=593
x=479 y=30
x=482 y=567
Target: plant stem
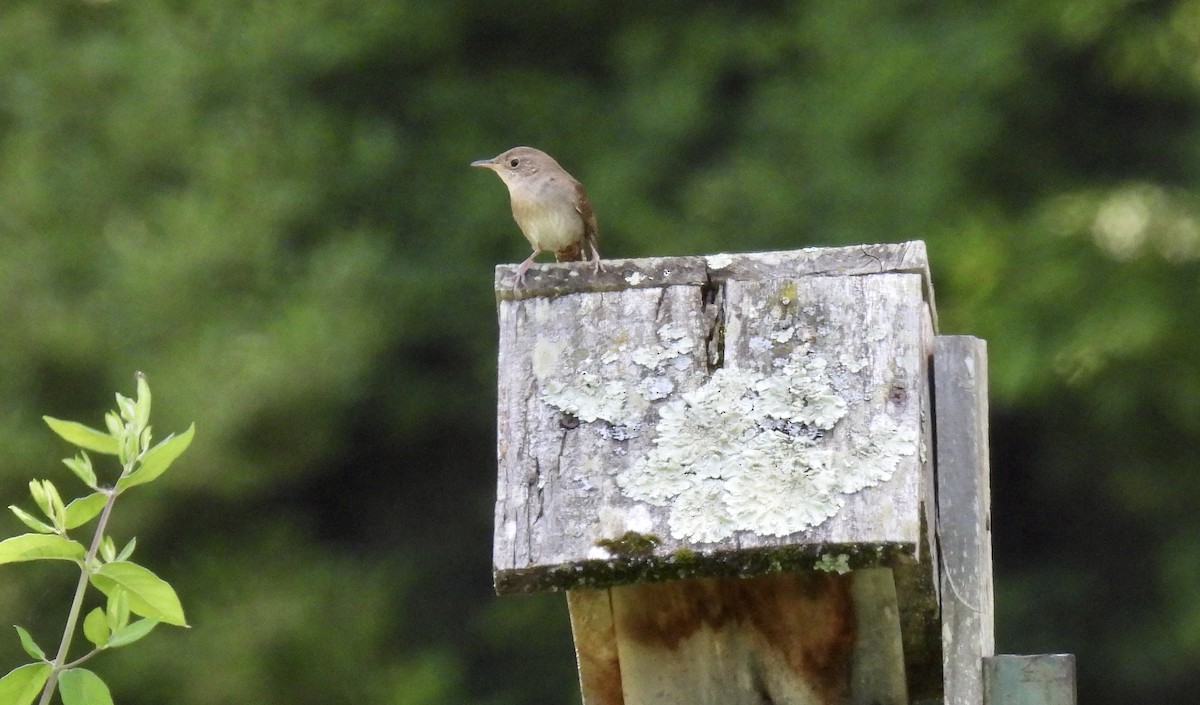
x=60 y=660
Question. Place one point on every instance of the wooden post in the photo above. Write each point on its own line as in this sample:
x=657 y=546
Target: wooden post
x=1045 y=679
x=964 y=521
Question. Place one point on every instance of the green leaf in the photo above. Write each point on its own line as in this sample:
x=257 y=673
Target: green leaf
x=149 y=595
x=116 y=429
x=125 y=406
x=95 y=627
x=79 y=686
x=141 y=408
x=128 y=450
x=118 y=610
x=131 y=633
x=58 y=511
x=29 y=644
x=158 y=459
x=22 y=684
x=32 y=547
x=83 y=436
x=38 y=491
x=128 y=550
x=108 y=550
x=81 y=465
x=31 y=521
x=83 y=509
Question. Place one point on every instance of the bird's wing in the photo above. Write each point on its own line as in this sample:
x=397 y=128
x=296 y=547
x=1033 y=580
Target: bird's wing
x=590 y=232
x=577 y=251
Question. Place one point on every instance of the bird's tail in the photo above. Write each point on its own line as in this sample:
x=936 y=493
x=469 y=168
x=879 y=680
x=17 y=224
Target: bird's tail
x=572 y=253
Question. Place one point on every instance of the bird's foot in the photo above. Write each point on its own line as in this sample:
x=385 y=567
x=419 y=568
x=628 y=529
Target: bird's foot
x=519 y=279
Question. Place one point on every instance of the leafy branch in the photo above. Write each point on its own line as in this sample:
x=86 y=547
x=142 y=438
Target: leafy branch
x=129 y=588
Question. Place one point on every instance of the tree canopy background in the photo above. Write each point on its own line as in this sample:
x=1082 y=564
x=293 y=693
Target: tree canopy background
x=266 y=207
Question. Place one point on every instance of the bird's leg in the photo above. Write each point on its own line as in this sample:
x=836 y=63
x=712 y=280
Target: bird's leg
x=596 y=266
x=520 y=279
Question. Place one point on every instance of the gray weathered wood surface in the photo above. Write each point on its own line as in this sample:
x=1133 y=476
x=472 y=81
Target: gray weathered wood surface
x=1044 y=679
x=964 y=521
x=656 y=272
x=726 y=415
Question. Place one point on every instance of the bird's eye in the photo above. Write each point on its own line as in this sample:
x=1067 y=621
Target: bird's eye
x=514 y=162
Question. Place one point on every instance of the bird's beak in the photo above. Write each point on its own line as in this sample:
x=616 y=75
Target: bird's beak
x=485 y=163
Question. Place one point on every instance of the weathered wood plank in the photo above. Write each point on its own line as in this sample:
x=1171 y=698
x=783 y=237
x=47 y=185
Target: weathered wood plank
x=917 y=583
x=799 y=442
x=860 y=342
x=581 y=379
x=558 y=279
x=555 y=279
x=964 y=506
x=878 y=673
x=595 y=638
x=788 y=639
x=1045 y=679
x=854 y=260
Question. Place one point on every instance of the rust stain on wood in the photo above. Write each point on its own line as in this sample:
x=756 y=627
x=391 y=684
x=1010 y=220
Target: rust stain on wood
x=595 y=647
x=806 y=621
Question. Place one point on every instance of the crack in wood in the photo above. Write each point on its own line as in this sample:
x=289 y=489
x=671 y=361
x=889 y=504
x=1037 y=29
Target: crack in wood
x=712 y=295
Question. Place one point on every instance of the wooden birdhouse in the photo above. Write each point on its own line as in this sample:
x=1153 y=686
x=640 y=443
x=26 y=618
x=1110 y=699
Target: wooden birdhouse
x=760 y=478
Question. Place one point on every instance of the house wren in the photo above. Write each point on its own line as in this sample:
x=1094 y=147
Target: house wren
x=549 y=205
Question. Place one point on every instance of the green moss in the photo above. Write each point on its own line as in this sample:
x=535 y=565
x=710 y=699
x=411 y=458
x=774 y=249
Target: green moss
x=630 y=544
x=642 y=566
x=788 y=293
x=684 y=555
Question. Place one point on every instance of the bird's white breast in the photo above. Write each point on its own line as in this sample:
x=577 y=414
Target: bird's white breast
x=549 y=223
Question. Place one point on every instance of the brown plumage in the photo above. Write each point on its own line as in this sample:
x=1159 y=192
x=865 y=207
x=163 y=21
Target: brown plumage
x=549 y=205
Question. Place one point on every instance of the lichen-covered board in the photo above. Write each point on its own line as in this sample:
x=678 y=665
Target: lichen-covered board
x=732 y=429
x=582 y=380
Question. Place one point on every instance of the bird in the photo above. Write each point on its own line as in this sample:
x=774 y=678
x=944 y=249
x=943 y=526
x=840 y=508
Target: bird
x=549 y=205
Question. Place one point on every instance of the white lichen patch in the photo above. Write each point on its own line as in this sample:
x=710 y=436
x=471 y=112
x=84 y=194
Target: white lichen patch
x=588 y=397
x=598 y=553
x=620 y=432
x=830 y=563
x=656 y=387
x=636 y=278
x=720 y=261
x=748 y=451
x=615 y=521
x=597 y=389
x=783 y=335
x=852 y=364
x=545 y=356
x=674 y=342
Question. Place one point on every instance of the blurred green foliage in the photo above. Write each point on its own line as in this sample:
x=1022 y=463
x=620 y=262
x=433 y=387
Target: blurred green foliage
x=267 y=208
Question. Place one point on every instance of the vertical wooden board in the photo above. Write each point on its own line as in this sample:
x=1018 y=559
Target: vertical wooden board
x=783 y=639
x=860 y=342
x=964 y=506
x=1043 y=679
x=595 y=646
x=917 y=585
x=580 y=381
x=877 y=674
x=787 y=639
